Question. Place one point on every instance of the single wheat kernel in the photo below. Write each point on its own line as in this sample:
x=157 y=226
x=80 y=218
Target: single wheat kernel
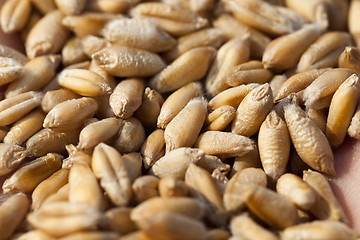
x=118 y=220
x=185 y=127
x=353 y=21
x=244 y=226
x=127 y=97
x=48 y=35
x=138 y=33
x=28 y=177
x=73 y=52
x=130 y=137
x=10 y=70
x=309 y=141
x=48 y=187
x=177 y=101
x=284 y=52
x=122 y=61
x=54 y=97
x=72 y=7
x=350 y=58
x=274 y=145
x=324 y=52
x=153 y=148
x=9 y=52
x=91 y=44
x=354 y=128
x=176 y=162
x=220 y=118
x=249 y=72
x=252 y=111
x=180 y=72
x=14 y=15
x=12 y=212
x=175 y=20
x=109 y=6
x=61 y=118
x=212 y=163
x=109 y=166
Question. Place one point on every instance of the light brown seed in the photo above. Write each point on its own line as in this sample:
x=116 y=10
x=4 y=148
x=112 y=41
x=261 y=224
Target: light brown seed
x=48 y=36
x=249 y=160
x=232 y=96
x=88 y=23
x=149 y=110
x=243 y=226
x=185 y=127
x=11 y=157
x=338 y=14
x=353 y=21
x=258 y=40
x=354 y=128
x=12 y=212
x=10 y=70
x=26 y=178
x=72 y=217
x=118 y=219
x=324 y=52
x=220 y=118
x=321 y=185
x=98 y=132
x=261 y=16
x=36 y=74
x=298 y=82
x=171 y=226
x=76 y=156
x=127 y=97
x=212 y=163
x=176 y=162
x=133 y=163
x=9 y=52
x=180 y=72
x=61 y=118
x=276 y=82
x=84 y=82
x=73 y=52
x=138 y=33
x=24 y=128
x=325 y=85
x=210 y=37
x=318 y=116
x=109 y=6
x=48 y=140
x=175 y=20
x=14 y=15
x=170 y=187
x=84 y=188
x=177 y=101
x=224 y=144
x=309 y=141
x=109 y=166
x=54 y=97
x=48 y=187
x=319 y=230
x=232 y=53
x=203 y=187
x=272 y=208
x=153 y=148
x=342 y=108
x=44 y=6
x=284 y=52
x=234 y=200
x=252 y=111
x=350 y=58
x=145 y=187
x=313 y=11
x=14 y=108
x=72 y=7
x=130 y=137
x=274 y=145
x=297 y=191
x=249 y=72
x=123 y=61
x=180 y=205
